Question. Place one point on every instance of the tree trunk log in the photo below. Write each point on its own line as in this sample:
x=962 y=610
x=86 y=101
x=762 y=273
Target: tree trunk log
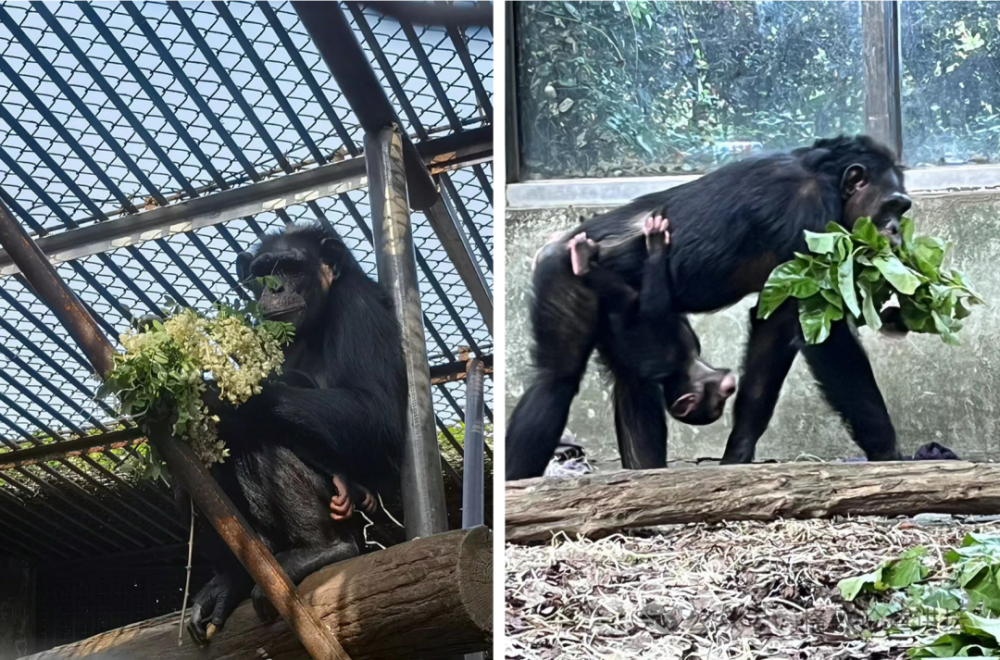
x=430 y=597
x=601 y=504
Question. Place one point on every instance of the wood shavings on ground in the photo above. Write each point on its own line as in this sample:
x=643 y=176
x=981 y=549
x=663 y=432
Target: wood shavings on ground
x=734 y=591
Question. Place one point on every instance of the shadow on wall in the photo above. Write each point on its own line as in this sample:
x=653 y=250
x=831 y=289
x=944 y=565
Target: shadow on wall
x=934 y=392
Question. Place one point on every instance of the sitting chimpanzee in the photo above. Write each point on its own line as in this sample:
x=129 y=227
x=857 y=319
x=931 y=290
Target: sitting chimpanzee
x=339 y=409
x=729 y=230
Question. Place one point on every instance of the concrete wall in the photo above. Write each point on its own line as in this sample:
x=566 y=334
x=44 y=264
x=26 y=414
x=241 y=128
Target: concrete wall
x=934 y=391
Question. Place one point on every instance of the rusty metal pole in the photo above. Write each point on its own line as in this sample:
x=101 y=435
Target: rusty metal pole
x=214 y=504
x=423 y=485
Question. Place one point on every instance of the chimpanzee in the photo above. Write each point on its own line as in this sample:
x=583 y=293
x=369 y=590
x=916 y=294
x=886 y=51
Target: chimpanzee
x=639 y=337
x=647 y=339
x=339 y=411
x=729 y=230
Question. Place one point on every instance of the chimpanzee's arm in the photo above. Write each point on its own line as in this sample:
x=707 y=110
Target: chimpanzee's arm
x=655 y=300
x=357 y=431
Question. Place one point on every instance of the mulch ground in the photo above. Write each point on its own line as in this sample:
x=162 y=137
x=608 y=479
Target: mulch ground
x=713 y=592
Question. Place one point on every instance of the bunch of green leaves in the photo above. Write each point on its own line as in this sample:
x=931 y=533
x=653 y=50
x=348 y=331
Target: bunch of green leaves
x=898 y=573
x=966 y=604
x=854 y=274
x=167 y=368
x=978 y=636
x=976 y=569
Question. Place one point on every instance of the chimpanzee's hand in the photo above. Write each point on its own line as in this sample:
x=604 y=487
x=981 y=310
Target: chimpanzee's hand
x=892 y=323
x=341 y=504
x=349 y=496
x=212 y=606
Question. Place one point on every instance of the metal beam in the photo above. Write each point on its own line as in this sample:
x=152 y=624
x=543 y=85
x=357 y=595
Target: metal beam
x=583 y=193
x=473 y=461
x=334 y=39
x=270 y=195
x=455 y=371
x=473 y=458
x=80 y=446
x=511 y=109
x=880 y=36
x=423 y=487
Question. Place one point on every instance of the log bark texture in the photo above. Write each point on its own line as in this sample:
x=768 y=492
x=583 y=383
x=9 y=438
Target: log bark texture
x=430 y=597
x=602 y=504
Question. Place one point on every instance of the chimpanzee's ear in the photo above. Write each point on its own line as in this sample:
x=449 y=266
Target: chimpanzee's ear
x=855 y=177
x=331 y=248
x=243 y=260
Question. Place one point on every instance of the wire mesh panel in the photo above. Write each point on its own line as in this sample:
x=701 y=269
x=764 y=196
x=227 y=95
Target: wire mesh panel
x=111 y=110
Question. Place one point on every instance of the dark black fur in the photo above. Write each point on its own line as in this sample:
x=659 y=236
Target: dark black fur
x=647 y=340
x=728 y=230
x=339 y=408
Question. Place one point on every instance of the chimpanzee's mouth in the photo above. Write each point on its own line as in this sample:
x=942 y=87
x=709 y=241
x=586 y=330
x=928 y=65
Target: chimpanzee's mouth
x=894 y=238
x=284 y=312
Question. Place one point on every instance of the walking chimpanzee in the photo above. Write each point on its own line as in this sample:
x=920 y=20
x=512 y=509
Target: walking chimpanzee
x=339 y=409
x=729 y=229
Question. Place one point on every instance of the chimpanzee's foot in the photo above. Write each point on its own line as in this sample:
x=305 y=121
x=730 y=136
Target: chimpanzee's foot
x=738 y=452
x=369 y=503
x=213 y=605
x=341 y=505
x=582 y=251
x=655 y=227
x=349 y=497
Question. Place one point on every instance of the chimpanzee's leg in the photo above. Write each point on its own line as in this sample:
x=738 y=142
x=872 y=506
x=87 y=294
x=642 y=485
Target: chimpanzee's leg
x=770 y=353
x=564 y=317
x=300 y=564
x=845 y=375
x=640 y=423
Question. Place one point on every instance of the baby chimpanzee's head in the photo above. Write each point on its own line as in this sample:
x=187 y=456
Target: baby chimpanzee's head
x=697 y=394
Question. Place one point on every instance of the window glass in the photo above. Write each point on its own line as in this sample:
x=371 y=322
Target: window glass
x=646 y=88
x=950 y=82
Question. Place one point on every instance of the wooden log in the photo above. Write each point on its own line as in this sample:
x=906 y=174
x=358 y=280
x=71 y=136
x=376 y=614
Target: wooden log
x=601 y=504
x=430 y=597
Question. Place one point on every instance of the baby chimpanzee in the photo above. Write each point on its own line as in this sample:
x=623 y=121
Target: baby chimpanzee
x=648 y=340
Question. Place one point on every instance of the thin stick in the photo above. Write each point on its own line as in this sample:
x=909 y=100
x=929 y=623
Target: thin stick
x=187 y=581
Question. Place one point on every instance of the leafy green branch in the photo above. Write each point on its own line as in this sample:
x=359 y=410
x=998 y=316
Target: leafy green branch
x=853 y=274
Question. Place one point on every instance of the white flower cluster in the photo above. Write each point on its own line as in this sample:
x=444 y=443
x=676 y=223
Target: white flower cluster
x=172 y=362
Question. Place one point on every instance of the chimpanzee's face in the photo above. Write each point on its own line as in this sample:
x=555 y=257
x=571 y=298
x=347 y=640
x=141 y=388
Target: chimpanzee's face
x=881 y=198
x=295 y=276
x=697 y=396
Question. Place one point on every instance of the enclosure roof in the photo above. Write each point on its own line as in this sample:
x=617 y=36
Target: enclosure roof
x=111 y=111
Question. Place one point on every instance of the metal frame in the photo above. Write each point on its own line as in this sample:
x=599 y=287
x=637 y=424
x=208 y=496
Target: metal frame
x=568 y=193
x=882 y=62
x=48 y=420
x=511 y=114
x=269 y=195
